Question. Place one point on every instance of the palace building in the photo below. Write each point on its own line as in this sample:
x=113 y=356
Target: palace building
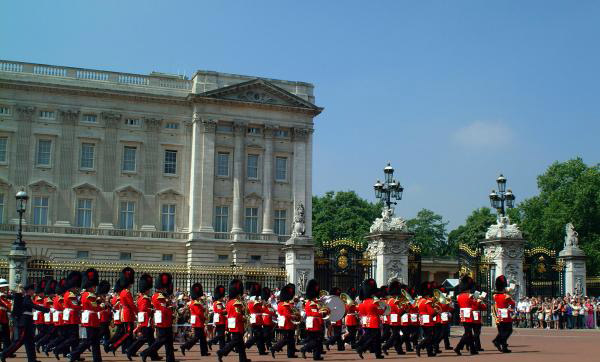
x=154 y=168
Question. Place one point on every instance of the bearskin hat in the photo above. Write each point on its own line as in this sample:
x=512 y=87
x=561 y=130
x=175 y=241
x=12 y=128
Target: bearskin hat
x=90 y=278
x=196 y=291
x=127 y=277
x=50 y=287
x=103 y=288
x=466 y=284
x=163 y=281
x=236 y=288
x=118 y=287
x=427 y=289
x=61 y=288
x=287 y=293
x=265 y=293
x=383 y=291
x=368 y=288
x=394 y=288
x=501 y=283
x=41 y=286
x=312 y=289
x=352 y=292
x=74 y=280
x=255 y=290
x=219 y=292
x=335 y=291
x=145 y=283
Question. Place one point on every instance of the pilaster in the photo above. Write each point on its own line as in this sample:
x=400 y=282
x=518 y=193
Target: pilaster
x=298 y=166
x=66 y=165
x=110 y=167
x=208 y=129
x=299 y=262
x=24 y=160
x=238 y=178
x=389 y=250
x=267 y=225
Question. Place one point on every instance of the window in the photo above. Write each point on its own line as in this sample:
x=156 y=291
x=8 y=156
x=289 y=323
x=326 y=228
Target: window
x=47 y=115
x=84 y=213
x=253 y=130
x=223 y=257
x=279 y=227
x=167 y=217
x=90 y=118
x=1 y=208
x=223 y=164
x=255 y=258
x=132 y=122
x=167 y=257
x=251 y=220
x=124 y=256
x=252 y=167
x=3 y=147
x=129 y=158
x=40 y=210
x=282 y=260
x=221 y=216
x=224 y=128
x=172 y=125
x=171 y=162
x=43 y=152
x=280 y=168
x=4 y=111
x=126 y=214
x=87 y=155
x=83 y=254
x=281 y=133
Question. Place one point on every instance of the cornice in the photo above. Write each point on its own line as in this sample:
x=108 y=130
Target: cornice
x=209 y=100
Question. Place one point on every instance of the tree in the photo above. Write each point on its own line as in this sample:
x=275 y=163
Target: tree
x=342 y=215
x=474 y=229
x=430 y=233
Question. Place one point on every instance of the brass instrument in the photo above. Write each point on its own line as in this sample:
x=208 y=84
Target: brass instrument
x=408 y=297
x=346 y=299
x=387 y=310
x=296 y=316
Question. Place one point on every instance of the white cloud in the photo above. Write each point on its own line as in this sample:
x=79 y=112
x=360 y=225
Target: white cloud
x=480 y=134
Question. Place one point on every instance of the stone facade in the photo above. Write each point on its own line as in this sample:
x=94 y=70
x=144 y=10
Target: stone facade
x=155 y=168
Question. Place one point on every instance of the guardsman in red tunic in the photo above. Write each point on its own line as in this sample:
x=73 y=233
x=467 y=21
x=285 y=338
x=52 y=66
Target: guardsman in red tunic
x=466 y=302
x=269 y=317
x=144 y=315
x=163 y=319
x=38 y=317
x=49 y=292
x=5 y=308
x=116 y=317
x=89 y=318
x=57 y=317
x=427 y=311
x=478 y=307
x=503 y=308
x=71 y=315
x=351 y=318
x=314 y=321
x=198 y=312
x=105 y=314
x=255 y=308
x=336 y=335
x=394 y=319
x=370 y=311
x=445 y=318
x=236 y=311
x=219 y=316
x=128 y=314
x=286 y=319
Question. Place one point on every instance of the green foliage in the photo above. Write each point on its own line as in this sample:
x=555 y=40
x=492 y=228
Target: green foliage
x=342 y=215
x=430 y=233
x=473 y=231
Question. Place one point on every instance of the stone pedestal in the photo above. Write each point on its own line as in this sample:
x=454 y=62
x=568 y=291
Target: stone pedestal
x=17 y=264
x=574 y=260
x=389 y=251
x=506 y=258
x=299 y=261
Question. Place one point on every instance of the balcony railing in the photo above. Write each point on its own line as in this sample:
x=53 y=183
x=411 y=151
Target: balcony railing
x=152 y=81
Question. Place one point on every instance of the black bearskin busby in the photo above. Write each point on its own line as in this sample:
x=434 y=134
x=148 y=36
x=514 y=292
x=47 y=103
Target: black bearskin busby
x=255 y=290
x=287 y=293
x=163 y=281
x=50 y=287
x=501 y=283
x=335 y=291
x=265 y=293
x=103 y=287
x=368 y=288
x=352 y=292
x=236 y=288
x=61 y=288
x=394 y=288
x=41 y=286
x=196 y=291
x=466 y=284
x=145 y=283
x=74 y=280
x=127 y=277
x=382 y=292
x=312 y=289
x=90 y=278
x=426 y=289
x=219 y=292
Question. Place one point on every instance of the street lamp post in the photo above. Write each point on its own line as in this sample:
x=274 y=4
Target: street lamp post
x=390 y=189
x=503 y=198
x=18 y=253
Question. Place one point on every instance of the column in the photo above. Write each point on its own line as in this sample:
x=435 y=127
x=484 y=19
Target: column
x=24 y=139
x=110 y=164
x=68 y=149
x=195 y=198
x=267 y=225
x=151 y=170
x=238 y=179
x=573 y=259
x=309 y=145
x=208 y=176
x=389 y=250
x=299 y=164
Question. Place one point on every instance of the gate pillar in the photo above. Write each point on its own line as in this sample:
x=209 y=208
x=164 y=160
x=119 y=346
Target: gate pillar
x=299 y=261
x=574 y=262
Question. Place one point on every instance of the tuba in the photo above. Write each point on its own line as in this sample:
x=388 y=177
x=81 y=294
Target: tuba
x=409 y=298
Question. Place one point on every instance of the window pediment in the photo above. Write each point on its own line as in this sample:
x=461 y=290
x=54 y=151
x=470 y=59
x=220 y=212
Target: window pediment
x=169 y=194
x=42 y=186
x=4 y=184
x=128 y=192
x=86 y=189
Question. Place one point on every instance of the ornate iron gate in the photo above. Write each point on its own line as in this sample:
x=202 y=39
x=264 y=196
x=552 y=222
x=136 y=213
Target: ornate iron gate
x=414 y=266
x=544 y=273
x=472 y=262
x=342 y=263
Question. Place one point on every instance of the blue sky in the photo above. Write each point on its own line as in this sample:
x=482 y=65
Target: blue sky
x=451 y=92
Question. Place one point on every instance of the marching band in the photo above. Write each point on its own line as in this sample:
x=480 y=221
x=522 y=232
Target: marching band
x=73 y=315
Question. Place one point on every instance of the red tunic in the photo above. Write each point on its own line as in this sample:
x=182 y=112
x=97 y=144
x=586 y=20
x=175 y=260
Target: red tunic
x=219 y=313
x=370 y=313
x=445 y=315
x=5 y=307
x=163 y=315
x=72 y=308
x=268 y=315
x=413 y=311
x=57 y=314
x=478 y=306
x=128 y=309
x=235 y=316
x=314 y=318
x=284 y=321
x=47 y=316
x=351 y=315
x=116 y=306
x=144 y=306
x=105 y=314
x=405 y=315
x=466 y=304
x=38 y=317
x=426 y=312
x=90 y=309
x=394 y=318
x=504 y=307
x=197 y=316
x=256 y=309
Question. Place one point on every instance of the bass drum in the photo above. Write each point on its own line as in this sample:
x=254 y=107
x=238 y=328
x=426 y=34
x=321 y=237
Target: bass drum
x=337 y=308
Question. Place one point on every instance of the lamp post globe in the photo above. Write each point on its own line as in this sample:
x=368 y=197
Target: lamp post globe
x=501 y=181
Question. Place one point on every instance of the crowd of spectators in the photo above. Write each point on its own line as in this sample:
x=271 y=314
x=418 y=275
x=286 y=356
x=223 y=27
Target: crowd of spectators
x=569 y=312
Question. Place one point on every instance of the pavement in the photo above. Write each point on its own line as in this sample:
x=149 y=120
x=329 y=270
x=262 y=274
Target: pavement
x=527 y=345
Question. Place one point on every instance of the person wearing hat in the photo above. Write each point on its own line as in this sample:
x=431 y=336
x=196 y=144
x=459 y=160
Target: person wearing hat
x=444 y=318
x=427 y=312
x=236 y=311
x=288 y=315
x=144 y=325
x=351 y=318
x=255 y=308
x=478 y=307
x=269 y=316
x=22 y=311
x=128 y=310
x=89 y=318
x=71 y=318
x=198 y=313
x=314 y=321
x=57 y=317
x=466 y=303
x=336 y=335
x=219 y=317
x=105 y=313
x=38 y=317
x=393 y=320
x=49 y=293
x=5 y=308
x=163 y=319
x=116 y=318
x=504 y=306
x=370 y=311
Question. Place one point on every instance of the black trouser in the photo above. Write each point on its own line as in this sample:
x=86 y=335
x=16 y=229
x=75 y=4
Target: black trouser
x=25 y=334
x=336 y=337
x=71 y=333
x=394 y=340
x=371 y=340
x=446 y=335
x=147 y=336
x=351 y=337
x=314 y=343
x=467 y=338
x=165 y=338
x=219 y=336
x=199 y=336
x=5 y=335
x=59 y=336
x=268 y=332
x=411 y=338
x=92 y=339
x=51 y=333
x=504 y=331
x=41 y=332
x=258 y=338
x=476 y=335
x=237 y=342
x=123 y=337
x=105 y=332
x=286 y=338
x=427 y=341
